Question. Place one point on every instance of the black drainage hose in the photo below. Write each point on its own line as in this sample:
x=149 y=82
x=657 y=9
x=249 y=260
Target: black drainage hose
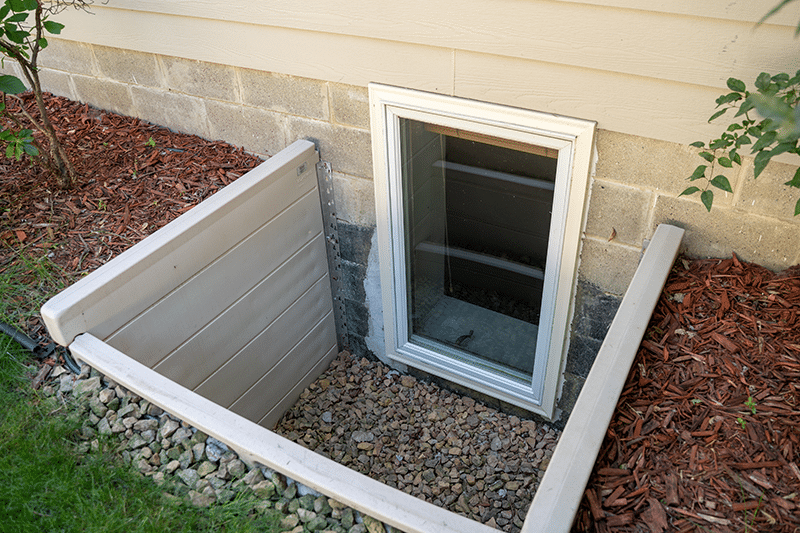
x=41 y=352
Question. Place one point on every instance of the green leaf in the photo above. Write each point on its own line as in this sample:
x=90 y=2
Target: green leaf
x=721 y=182
x=795 y=181
x=4 y=11
x=10 y=151
x=755 y=131
x=42 y=43
x=797 y=208
x=698 y=173
x=707 y=197
x=19 y=17
x=689 y=190
x=725 y=162
x=718 y=114
x=14 y=35
x=781 y=79
x=728 y=98
x=719 y=143
x=698 y=144
x=30 y=149
x=743 y=139
x=736 y=157
x=11 y=85
x=29 y=5
x=53 y=27
x=765 y=140
x=707 y=156
x=760 y=162
x=763 y=81
x=734 y=127
x=782 y=148
x=21 y=5
x=744 y=108
x=736 y=85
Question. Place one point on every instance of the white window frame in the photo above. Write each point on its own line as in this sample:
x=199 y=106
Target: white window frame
x=573 y=139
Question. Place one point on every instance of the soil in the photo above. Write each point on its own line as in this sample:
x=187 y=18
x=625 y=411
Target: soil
x=704 y=437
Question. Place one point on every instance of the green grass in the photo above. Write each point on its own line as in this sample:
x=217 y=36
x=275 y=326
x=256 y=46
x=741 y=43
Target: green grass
x=26 y=282
x=45 y=484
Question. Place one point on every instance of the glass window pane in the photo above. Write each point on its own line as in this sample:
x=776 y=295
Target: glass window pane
x=477 y=221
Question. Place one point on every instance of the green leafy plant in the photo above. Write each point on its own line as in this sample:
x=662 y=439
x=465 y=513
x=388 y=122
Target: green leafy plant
x=24 y=25
x=741 y=421
x=751 y=404
x=150 y=142
x=775 y=99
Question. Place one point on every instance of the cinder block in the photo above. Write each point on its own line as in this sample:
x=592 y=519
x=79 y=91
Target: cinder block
x=608 y=266
x=256 y=130
x=303 y=97
x=68 y=56
x=355 y=243
x=582 y=353
x=349 y=105
x=642 y=162
x=767 y=241
x=594 y=311
x=178 y=112
x=128 y=66
x=355 y=199
x=104 y=94
x=207 y=80
x=353 y=281
x=570 y=390
x=56 y=82
x=348 y=149
x=618 y=209
x=767 y=195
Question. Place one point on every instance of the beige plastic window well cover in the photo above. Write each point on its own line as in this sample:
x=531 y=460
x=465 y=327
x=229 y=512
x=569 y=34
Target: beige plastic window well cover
x=231 y=300
x=568 y=139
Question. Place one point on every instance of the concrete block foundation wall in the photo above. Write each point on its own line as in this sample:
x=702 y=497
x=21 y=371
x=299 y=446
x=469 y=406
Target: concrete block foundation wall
x=635 y=186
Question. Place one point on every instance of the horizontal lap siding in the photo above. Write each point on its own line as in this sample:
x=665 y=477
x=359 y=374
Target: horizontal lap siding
x=589 y=59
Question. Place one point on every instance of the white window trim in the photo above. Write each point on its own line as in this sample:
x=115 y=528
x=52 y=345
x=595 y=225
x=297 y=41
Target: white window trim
x=573 y=138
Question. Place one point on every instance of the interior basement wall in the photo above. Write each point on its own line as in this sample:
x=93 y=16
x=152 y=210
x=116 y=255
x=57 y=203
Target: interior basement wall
x=635 y=181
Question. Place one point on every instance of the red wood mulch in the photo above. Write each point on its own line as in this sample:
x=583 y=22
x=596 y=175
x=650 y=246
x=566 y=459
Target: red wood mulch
x=706 y=435
x=135 y=178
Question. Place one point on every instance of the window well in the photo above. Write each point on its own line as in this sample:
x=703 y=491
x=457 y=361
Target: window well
x=480 y=210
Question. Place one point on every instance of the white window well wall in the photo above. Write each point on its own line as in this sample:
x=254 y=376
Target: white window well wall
x=480 y=209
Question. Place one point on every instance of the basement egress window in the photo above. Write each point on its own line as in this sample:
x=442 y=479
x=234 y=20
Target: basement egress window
x=480 y=210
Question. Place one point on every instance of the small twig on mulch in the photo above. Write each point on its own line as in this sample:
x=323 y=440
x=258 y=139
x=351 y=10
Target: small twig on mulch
x=705 y=433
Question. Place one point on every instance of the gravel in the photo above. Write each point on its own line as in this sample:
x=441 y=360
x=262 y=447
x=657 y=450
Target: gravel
x=204 y=470
x=409 y=434
x=427 y=441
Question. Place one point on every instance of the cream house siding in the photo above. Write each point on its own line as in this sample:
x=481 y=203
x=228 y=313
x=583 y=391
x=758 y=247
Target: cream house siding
x=590 y=59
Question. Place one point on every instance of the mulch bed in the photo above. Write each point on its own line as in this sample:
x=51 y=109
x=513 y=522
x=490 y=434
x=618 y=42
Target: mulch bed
x=135 y=177
x=705 y=436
